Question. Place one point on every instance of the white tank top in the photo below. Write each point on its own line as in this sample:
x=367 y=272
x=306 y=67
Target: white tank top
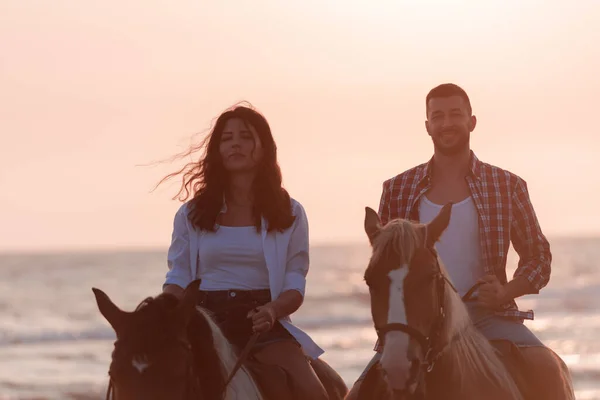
x=458 y=246
x=232 y=258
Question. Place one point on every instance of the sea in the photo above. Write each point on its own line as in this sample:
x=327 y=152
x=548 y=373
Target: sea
x=54 y=344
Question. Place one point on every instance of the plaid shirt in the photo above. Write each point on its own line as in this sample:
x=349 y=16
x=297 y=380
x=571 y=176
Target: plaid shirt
x=505 y=214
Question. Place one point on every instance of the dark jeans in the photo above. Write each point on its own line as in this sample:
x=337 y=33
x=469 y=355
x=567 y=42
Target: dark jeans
x=230 y=308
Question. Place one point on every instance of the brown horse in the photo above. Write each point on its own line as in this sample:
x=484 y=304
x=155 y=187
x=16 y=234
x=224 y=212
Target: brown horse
x=172 y=350
x=432 y=349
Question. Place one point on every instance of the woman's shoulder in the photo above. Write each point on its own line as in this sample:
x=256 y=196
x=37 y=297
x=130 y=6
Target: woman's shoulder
x=297 y=207
x=182 y=214
x=183 y=209
x=298 y=211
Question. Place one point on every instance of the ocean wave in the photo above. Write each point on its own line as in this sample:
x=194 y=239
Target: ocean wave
x=332 y=321
x=589 y=374
x=56 y=336
x=106 y=333
x=58 y=392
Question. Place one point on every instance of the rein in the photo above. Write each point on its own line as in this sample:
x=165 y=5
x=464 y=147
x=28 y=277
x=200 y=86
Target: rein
x=109 y=391
x=243 y=357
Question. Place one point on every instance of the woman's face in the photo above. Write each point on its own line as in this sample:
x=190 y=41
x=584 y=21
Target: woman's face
x=240 y=146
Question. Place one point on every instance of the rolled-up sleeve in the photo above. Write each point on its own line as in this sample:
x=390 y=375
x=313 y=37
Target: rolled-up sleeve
x=298 y=253
x=178 y=256
x=529 y=242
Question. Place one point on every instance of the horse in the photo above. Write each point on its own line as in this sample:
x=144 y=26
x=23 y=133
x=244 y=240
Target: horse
x=172 y=349
x=432 y=349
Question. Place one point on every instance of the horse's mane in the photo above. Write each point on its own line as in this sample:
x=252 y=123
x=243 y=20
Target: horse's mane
x=214 y=357
x=148 y=317
x=471 y=354
x=242 y=385
x=398 y=238
x=164 y=302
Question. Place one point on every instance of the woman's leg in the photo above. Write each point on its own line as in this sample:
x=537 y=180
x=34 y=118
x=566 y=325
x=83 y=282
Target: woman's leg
x=289 y=356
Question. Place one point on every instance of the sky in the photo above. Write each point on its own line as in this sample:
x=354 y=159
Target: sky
x=92 y=94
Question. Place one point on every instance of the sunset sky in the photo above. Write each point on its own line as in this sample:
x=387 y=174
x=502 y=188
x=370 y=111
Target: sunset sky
x=91 y=91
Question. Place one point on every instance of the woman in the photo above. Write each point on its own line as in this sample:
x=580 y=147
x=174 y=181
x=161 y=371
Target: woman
x=247 y=241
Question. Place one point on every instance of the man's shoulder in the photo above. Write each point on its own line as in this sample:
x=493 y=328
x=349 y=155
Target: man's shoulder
x=407 y=177
x=484 y=170
x=492 y=172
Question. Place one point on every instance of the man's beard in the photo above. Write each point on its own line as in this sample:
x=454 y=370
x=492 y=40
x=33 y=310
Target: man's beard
x=459 y=146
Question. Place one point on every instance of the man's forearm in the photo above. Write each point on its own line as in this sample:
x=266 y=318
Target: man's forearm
x=517 y=287
x=287 y=303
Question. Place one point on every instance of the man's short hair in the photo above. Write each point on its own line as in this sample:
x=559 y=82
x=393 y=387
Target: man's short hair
x=448 y=90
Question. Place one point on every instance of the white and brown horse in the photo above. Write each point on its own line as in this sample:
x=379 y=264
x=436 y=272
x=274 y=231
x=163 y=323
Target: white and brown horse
x=431 y=350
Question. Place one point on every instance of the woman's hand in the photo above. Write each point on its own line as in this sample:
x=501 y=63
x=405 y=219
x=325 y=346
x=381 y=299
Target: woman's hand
x=263 y=318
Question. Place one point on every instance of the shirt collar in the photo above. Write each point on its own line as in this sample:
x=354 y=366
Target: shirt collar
x=474 y=168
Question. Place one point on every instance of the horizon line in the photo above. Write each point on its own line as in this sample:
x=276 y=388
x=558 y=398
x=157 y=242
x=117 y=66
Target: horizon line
x=163 y=248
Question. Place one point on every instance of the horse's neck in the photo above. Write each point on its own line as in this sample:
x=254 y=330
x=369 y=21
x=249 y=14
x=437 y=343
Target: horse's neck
x=207 y=360
x=468 y=368
x=223 y=356
x=443 y=384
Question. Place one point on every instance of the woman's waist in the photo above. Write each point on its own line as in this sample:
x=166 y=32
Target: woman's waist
x=233 y=298
x=230 y=307
x=214 y=280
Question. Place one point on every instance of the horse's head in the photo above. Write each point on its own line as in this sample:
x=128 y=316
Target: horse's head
x=406 y=284
x=152 y=358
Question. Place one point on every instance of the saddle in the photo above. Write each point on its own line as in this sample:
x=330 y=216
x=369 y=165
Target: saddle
x=275 y=383
x=513 y=360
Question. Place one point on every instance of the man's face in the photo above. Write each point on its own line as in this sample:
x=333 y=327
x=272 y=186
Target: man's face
x=449 y=123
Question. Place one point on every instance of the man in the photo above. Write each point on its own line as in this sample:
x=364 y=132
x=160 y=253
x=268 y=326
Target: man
x=491 y=209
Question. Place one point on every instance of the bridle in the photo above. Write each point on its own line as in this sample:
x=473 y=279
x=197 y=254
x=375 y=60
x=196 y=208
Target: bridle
x=432 y=344
x=192 y=390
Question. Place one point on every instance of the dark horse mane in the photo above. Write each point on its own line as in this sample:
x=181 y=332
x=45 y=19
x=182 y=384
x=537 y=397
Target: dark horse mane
x=154 y=312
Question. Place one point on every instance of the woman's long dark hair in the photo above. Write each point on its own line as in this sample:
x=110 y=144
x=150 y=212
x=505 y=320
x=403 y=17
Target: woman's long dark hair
x=206 y=179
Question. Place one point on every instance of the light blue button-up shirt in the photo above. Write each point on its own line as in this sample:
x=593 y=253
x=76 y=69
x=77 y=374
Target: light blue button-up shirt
x=286 y=256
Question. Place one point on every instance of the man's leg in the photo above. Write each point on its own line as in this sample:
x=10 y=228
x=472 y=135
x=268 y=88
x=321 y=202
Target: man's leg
x=549 y=375
x=353 y=394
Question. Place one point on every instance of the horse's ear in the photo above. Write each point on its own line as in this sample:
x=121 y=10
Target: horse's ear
x=438 y=225
x=113 y=314
x=187 y=305
x=372 y=223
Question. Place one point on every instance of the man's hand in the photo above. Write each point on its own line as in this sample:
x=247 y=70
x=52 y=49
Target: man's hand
x=263 y=318
x=492 y=294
